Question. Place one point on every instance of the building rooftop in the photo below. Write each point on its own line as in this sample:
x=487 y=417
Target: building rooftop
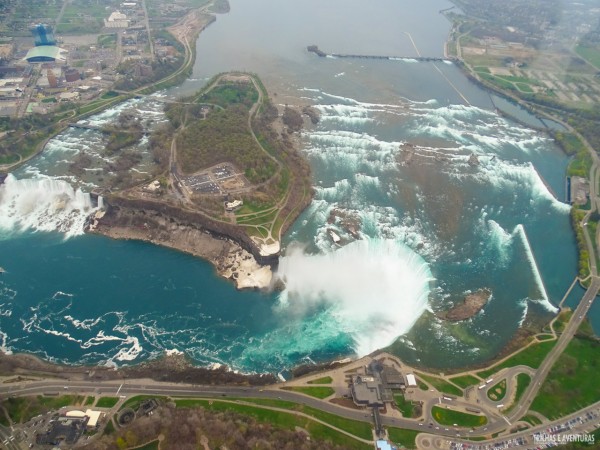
x=365 y=391
x=46 y=53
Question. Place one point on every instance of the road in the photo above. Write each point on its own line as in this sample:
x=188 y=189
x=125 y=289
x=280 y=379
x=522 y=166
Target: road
x=7 y=438
x=434 y=442
x=147 y=23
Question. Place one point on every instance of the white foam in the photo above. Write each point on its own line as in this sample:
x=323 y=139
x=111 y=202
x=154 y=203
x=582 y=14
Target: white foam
x=512 y=177
x=4 y=348
x=43 y=204
x=545 y=301
x=131 y=353
x=377 y=288
x=173 y=352
x=525 y=304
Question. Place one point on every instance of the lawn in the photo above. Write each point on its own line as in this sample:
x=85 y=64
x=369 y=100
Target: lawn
x=21 y=409
x=445 y=416
x=497 y=391
x=291 y=421
x=592 y=54
x=323 y=380
x=110 y=427
x=523 y=381
x=524 y=87
x=405 y=438
x=441 y=385
x=361 y=429
x=531 y=356
x=107 y=402
x=531 y=420
x=572 y=381
x=134 y=402
x=465 y=381
x=313 y=391
x=406 y=408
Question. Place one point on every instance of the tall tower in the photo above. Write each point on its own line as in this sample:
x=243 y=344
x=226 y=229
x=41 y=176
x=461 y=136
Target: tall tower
x=43 y=34
x=52 y=81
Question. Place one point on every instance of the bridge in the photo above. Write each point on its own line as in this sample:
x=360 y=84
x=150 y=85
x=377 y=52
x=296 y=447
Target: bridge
x=315 y=49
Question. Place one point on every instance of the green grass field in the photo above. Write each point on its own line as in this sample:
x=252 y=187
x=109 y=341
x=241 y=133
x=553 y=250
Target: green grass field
x=523 y=381
x=405 y=438
x=107 y=402
x=406 y=408
x=22 y=409
x=571 y=383
x=323 y=380
x=291 y=421
x=441 y=385
x=313 y=391
x=465 y=381
x=531 y=420
x=134 y=402
x=531 y=356
x=591 y=54
x=498 y=391
x=445 y=416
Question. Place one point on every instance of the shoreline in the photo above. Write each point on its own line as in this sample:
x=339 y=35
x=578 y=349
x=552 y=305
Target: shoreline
x=230 y=259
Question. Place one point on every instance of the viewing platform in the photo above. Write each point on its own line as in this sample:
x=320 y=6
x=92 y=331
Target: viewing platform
x=315 y=49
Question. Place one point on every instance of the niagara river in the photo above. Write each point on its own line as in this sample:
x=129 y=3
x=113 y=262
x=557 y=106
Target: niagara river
x=431 y=192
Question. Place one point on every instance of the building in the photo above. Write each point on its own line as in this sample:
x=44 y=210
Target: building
x=43 y=35
x=93 y=418
x=232 y=206
x=68 y=96
x=46 y=53
x=365 y=391
x=376 y=387
x=411 y=380
x=72 y=75
x=384 y=445
x=116 y=20
x=579 y=190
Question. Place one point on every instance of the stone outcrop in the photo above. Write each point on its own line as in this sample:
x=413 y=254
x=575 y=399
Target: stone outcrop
x=233 y=253
x=471 y=305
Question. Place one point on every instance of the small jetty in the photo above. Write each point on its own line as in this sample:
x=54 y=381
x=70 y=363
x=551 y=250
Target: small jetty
x=315 y=49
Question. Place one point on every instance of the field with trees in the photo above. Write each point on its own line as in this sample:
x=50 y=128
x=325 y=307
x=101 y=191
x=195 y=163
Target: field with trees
x=218 y=426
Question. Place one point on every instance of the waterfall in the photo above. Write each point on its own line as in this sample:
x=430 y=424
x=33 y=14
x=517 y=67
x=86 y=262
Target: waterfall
x=43 y=204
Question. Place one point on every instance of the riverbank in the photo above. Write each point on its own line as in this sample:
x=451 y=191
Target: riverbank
x=219 y=245
x=172 y=367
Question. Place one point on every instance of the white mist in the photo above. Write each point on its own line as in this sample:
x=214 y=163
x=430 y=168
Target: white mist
x=376 y=288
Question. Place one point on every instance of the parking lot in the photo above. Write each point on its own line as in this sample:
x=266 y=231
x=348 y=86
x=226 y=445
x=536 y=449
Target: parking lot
x=219 y=179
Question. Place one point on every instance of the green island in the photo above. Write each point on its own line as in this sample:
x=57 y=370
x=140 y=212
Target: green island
x=498 y=391
x=445 y=416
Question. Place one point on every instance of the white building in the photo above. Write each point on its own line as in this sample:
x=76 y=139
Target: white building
x=116 y=20
x=231 y=206
x=94 y=417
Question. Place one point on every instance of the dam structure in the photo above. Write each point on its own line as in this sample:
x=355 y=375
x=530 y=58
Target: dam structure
x=315 y=49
